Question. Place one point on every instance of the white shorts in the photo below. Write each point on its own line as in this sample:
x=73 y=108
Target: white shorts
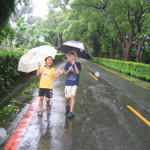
x=70 y=91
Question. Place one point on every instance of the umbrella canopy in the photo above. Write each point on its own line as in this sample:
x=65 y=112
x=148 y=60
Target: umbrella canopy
x=29 y=61
x=81 y=50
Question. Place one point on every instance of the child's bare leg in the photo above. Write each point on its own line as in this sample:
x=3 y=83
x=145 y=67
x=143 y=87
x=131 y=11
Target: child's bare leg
x=67 y=104
x=48 y=108
x=72 y=103
x=41 y=103
x=67 y=101
x=40 y=112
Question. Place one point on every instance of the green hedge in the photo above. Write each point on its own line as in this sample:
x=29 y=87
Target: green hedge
x=8 y=68
x=137 y=70
x=59 y=57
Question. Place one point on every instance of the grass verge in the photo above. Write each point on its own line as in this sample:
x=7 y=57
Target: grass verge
x=127 y=77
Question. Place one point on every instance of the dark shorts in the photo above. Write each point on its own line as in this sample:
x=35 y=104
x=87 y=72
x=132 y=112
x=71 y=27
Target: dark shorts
x=46 y=92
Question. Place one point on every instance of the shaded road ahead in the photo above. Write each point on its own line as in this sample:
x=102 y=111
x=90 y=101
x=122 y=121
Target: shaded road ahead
x=102 y=121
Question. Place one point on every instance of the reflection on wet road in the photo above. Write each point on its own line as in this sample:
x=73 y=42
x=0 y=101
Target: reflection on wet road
x=102 y=121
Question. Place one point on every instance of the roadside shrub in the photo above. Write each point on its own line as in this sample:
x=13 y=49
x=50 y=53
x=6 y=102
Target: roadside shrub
x=137 y=70
x=59 y=57
x=95 y=59
x=8 y=68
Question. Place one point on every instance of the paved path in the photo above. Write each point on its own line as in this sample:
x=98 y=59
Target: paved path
x=102 y=119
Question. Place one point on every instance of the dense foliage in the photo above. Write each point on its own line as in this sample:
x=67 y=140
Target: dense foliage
x=6 y=9
x=111 y=28
x=138 y=70
x=8 y=68
x=115 y=29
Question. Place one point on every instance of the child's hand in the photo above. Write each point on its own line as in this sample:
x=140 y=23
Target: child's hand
x=62 y=72
x=70 y=68
x=74 y=60
x=39 y=65
x=38 y=70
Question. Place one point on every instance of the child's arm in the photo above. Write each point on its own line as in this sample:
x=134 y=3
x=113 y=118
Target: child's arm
x=38 y=70
x=57 y=76
x=66 y=72
x=77 y=70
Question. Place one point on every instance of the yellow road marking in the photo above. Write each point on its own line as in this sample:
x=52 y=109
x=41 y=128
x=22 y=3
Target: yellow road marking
x=139 y=115
x=93 y=76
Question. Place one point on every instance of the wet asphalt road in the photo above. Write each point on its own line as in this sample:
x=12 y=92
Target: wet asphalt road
x=102 y=121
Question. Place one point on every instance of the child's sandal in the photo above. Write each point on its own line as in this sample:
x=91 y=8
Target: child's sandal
x=48 y=107
x=40 y=113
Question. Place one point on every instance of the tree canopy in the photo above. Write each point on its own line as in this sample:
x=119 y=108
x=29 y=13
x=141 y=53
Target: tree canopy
x=112 y=28
x=115 y=29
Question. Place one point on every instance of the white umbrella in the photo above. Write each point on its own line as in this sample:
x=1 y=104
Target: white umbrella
x=29 y=61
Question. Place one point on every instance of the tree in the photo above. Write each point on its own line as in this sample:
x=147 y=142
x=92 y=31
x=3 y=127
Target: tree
x=7 y=34
x=22 y=10
x=52 y=27
x=25 y=33
x=128 y=18
x=7 y=8
x=113 y=29
x=142 y=22
x=34 y=20
x=86 y=25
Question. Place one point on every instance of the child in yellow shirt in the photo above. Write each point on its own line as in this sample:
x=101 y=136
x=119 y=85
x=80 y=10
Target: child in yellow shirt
x=46 y=83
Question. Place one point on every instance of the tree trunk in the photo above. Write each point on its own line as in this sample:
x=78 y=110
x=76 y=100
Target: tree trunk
x=128 y=42
x=96 y=47
x=112 y=55
x=11 y=39
x=128 y=50
x=138 y=54
x=126 y=55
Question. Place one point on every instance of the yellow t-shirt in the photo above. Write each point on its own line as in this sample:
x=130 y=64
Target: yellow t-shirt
x=47 y=77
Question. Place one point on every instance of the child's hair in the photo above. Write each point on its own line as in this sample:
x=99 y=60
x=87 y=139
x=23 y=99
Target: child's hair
x=49 y=57
x=71 y=53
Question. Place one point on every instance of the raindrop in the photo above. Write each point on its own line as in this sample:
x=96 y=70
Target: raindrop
x=97 y=74
x=114 y=101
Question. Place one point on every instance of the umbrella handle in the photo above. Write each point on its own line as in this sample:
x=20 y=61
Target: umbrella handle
x=74 y=58
x=39 y=64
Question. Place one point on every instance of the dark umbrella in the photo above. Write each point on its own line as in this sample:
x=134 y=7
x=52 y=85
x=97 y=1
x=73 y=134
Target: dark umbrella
x=81 y=50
